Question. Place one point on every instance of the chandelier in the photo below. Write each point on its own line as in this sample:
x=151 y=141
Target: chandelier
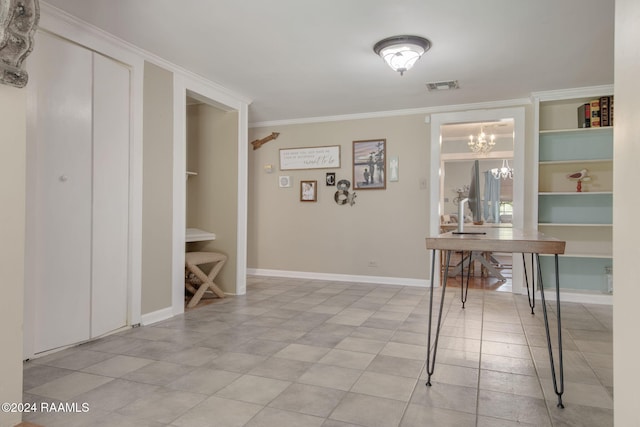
x=480 y=144
x=503 y=172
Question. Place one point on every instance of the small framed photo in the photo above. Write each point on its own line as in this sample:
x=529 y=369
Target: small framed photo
x=369 y=167
x=394 y=166
x=308 y=191
x=331 y=179
x=284 y=181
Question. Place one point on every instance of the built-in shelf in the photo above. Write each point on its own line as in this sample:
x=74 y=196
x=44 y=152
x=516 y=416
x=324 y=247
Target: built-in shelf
x=577 y=130
x=582 y=219
x=573 y=193
x=567 y=224
x=198 y=235
x=579 y=255
x=573 y=161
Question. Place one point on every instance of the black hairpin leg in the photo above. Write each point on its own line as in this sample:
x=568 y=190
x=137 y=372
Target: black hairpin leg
x=531 y=296
x=465 y=284
x=558 y=388
x=431 y=360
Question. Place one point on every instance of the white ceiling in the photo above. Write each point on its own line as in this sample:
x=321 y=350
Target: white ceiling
x=313 y=58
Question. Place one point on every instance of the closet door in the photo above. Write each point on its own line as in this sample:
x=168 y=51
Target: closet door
x=58 y=261
x=110 y=195
x=77 y=235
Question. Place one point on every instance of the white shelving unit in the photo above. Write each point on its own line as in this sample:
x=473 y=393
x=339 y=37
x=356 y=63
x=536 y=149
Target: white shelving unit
x=583 y=219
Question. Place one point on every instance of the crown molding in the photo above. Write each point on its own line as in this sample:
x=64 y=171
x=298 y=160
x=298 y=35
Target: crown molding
x=579 y=92
x=62 y=23
x=395 y=113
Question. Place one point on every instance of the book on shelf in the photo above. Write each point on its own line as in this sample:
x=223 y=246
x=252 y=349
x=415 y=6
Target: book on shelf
x=604 y=111
x=595 y=113
x=584 y=115
x=611 y=111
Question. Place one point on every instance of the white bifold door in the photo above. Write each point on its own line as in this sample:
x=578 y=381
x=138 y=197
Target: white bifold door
x=76 y=273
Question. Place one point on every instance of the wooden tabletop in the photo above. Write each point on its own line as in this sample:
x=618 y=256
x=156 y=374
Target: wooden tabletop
x=497 y=240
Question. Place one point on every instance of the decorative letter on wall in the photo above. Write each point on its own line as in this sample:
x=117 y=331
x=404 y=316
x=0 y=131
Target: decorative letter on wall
x=18 y=23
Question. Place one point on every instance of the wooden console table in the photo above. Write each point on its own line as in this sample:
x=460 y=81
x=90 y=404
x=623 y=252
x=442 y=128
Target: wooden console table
x=499 y=240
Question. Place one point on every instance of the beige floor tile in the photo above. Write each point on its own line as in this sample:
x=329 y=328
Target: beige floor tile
x=117 y=366
x=361 y=345
x=522 y=385
x=204 y=381
x=445 y=396
x=162 y=406
x=406 y=351
x=369 y=411
x=253 y=389
x=272 y=417
x=333 y=354
x=347 y=359
x=384 y=385
x=69 y=386
x=227 y=413
x=304 y=353
x=281 y=369
x=308 y=399
x=330 y=376
x=417 y=415
x=158 y=373
x=513 y=408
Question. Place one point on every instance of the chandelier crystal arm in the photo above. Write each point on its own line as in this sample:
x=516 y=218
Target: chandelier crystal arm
x=480 y=143
x=504 y=172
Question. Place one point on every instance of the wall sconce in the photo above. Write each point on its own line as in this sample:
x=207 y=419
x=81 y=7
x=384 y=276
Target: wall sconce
x=401 y=52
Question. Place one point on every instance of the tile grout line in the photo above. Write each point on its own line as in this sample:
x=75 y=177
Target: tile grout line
x=535 y=365
x=480 y=359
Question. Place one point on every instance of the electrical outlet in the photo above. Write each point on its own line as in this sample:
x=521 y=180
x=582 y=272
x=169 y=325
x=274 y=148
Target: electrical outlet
x=373 y=263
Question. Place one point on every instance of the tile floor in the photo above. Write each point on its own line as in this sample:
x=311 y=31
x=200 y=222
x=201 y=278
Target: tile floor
x=310 y=353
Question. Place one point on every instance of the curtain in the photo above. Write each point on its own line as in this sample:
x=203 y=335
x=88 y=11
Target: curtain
x=491 y=203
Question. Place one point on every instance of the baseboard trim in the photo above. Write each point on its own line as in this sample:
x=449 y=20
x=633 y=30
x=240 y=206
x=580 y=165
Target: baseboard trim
x=575 y=296
x=567 y=295
x=157 y=316
x=379 y=280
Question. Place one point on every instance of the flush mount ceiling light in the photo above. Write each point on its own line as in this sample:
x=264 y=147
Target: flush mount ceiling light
x=401 y=52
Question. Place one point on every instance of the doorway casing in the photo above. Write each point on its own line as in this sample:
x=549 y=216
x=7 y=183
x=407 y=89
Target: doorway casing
x=517 y=114
x=184 y=86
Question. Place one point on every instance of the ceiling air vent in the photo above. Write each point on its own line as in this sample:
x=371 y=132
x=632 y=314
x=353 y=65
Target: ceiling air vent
x=448 y=85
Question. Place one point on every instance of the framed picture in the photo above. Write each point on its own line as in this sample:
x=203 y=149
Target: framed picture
x=394 y=166
x=331 y=179
x=308 y=191
x=310 y=158
x=284 y=181
x=369 y=170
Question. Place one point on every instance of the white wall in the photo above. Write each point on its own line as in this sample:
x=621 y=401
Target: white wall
x=626 y=234
x=387 y=227
x=212 y=196
x=12 y=222
x=157 y=206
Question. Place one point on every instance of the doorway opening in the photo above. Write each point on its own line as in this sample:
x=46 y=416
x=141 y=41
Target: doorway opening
x=451 y=160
